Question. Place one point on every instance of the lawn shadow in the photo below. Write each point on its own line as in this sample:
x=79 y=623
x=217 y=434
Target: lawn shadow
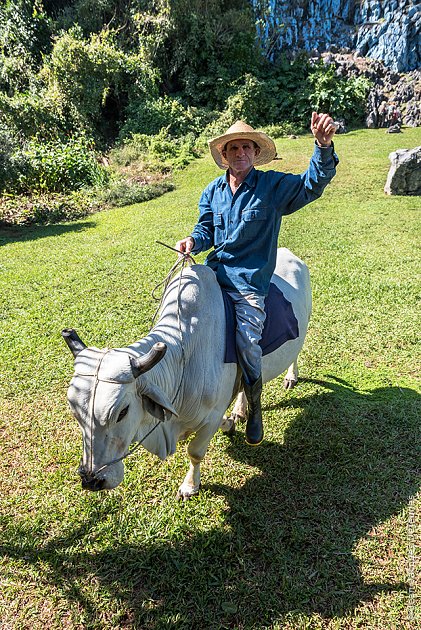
x=348 y=462
x=13 y=234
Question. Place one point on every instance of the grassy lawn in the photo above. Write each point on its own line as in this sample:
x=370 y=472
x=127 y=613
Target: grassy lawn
x=320 y=527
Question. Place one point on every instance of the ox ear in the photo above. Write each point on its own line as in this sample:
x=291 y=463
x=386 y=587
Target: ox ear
x=143 y=364
x=73 y=340
x=156 y=402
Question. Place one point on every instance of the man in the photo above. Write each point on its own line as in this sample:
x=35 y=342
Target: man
x=240 y=216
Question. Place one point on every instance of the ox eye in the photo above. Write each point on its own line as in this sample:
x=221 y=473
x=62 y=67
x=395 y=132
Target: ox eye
x=122 y=413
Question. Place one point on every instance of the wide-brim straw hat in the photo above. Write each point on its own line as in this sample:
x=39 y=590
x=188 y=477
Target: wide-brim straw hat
x=241 y=130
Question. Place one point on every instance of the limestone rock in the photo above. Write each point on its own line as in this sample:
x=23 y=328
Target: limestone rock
x=404 y=177
x=394 y=128
x=385 y=30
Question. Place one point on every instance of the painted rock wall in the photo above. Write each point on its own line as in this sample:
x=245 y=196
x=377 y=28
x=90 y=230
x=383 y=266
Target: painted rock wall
x=386 y=30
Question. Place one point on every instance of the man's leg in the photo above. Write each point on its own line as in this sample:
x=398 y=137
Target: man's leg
x=250 y=315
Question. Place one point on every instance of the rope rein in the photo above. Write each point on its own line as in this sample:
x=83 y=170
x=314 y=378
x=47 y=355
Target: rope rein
x=181 y=263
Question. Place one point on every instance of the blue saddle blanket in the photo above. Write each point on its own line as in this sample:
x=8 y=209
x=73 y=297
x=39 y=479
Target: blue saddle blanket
x=280 y=326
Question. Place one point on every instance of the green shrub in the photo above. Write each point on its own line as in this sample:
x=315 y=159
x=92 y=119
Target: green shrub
x=45 y=114
x=149 y=116
x=25 y=32
x=341 y=97
x=55 y=167
x=207 y=45
x=283 y=129
x=161 y=152
x=93 y=73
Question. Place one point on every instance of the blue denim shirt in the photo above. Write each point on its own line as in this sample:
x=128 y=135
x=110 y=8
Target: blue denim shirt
x=243 y=228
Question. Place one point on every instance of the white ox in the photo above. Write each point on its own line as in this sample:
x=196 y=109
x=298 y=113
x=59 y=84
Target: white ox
x=174 y=379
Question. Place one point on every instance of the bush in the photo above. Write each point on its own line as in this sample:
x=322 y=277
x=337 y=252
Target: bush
x=45 y=114
x=54 y=167
x=207 y=45
x=93 y=74
x=284 y=129
x=161 y=152
x=341 y=97
x=25 y=32
x=149 y=116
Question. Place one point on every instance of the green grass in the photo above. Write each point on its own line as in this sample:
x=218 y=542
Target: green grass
x=317 y=528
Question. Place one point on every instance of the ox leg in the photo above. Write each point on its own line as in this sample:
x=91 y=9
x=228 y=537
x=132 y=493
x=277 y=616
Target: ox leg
x=238 y=414
x=291 y=377
x=196 y=451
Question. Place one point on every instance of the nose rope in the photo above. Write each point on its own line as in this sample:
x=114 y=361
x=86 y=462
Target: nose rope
x=92 y=405
x=181 y=262
x=130 y=451
x=92 y=420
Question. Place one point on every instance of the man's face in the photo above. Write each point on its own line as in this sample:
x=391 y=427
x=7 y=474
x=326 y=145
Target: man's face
x=240 y=154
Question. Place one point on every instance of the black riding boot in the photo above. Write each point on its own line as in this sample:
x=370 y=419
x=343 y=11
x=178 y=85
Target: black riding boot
x=254 y=427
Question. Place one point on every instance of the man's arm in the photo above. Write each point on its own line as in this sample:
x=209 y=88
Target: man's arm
x=201 y=237
x=296 y=191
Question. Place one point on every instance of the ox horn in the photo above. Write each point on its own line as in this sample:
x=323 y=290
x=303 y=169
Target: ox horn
x=73 y=340
x=147 y=362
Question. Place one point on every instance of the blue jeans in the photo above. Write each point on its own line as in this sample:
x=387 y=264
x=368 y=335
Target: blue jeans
x=250 y=315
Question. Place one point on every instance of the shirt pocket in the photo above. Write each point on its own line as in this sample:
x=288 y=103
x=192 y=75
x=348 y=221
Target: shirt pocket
x=252 y=222
x=218 y=224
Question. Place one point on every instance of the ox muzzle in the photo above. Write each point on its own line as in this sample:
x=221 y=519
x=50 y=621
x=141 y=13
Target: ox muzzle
x=90 y=481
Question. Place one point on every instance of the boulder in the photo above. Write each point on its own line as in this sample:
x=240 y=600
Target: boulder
x=404 y=177
x=394 y=128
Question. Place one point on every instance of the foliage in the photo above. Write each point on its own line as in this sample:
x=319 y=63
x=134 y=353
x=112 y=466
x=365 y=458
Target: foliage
x=209 y=44
x=150 y=115
x=160 y=152
x=341 y=97
x=283 y=129
x=56 y=166
x=93 y=74
x=25 y=32
x=46 y=114
x=121 y=192
x=9 y=145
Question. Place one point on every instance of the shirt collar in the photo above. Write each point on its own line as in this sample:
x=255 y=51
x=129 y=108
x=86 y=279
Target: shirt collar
x=250 y=180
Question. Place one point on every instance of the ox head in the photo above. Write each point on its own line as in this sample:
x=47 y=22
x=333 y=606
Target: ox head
x=115 y=403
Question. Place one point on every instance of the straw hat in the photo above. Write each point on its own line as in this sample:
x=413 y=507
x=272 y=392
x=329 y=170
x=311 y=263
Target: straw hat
x=241 y=130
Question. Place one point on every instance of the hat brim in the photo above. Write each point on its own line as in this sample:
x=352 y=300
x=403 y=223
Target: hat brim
x=266 y=145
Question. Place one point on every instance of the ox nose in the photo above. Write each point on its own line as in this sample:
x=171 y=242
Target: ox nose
x=90 y=481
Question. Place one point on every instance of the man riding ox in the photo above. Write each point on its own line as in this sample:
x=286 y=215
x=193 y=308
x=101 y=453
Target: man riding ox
x=180 y=379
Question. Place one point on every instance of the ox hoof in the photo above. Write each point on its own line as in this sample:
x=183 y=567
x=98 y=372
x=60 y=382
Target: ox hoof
x=186 y=495
x=290 y=383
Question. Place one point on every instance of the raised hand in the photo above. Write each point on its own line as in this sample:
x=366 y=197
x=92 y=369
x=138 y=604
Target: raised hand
x=322 y=128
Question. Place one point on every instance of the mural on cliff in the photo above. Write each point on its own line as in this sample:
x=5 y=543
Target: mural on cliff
x=385 y=30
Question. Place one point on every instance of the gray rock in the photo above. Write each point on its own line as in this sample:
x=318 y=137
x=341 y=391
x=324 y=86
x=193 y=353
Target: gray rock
x=394 y=128
x=404 y=177
x=386 y=30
